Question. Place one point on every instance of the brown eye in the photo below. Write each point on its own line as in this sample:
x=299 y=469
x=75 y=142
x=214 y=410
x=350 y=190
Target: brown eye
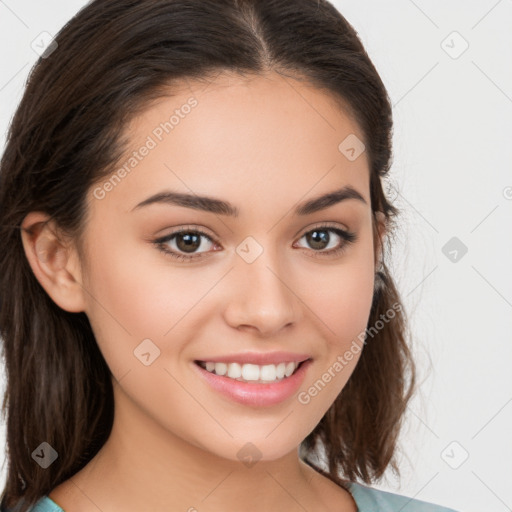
x=319 y=239
x=186 y=241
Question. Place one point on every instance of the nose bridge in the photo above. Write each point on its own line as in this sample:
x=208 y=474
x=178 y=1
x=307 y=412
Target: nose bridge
x=263 y=298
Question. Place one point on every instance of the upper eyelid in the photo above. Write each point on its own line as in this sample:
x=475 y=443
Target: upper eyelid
x=322 y=225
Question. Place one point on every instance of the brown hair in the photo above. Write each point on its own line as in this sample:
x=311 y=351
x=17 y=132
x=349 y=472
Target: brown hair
x=113 y=58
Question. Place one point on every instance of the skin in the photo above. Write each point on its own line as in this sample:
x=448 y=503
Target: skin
x=263 y=144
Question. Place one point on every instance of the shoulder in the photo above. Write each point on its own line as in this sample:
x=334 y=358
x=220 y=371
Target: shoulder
x=374 y=500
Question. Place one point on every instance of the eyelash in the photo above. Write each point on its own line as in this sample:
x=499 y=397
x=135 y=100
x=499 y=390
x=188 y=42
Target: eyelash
x=348 y=237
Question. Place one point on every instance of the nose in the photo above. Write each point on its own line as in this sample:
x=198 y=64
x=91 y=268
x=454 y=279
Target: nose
x=260 y=298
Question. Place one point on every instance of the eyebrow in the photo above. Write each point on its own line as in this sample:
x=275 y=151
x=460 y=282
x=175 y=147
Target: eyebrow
x=218 y=206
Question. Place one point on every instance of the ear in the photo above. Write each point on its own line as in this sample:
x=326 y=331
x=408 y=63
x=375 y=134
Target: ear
x=380 y=230
x=54 y=261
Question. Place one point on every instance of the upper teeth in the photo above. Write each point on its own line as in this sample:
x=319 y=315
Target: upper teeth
x=251 y=372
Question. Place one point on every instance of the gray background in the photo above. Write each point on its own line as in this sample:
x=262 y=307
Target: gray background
x=452 y=178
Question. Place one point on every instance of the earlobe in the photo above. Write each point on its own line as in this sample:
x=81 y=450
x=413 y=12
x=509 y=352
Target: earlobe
x=53 y=261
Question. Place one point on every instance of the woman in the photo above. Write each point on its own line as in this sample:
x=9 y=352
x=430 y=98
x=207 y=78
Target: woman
x=194 y=294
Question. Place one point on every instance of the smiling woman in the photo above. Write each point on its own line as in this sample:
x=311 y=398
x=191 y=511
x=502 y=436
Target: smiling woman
x=195 y=298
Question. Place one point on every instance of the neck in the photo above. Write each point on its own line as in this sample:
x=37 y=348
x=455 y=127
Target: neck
x=144 y=466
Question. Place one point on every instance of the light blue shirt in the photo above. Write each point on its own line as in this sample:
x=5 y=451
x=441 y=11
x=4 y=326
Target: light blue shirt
x=367 y=499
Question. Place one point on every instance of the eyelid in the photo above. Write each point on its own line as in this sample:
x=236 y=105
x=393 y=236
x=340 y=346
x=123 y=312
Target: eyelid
x=320 y=224
x=347 y=236
x=213 y=238
x=187 y=229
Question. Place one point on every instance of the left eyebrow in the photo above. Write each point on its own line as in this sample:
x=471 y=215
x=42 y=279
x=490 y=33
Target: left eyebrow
x=218 y=206
x=325 y=201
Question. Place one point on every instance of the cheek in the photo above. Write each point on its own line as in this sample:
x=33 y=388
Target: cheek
x=134 y=296
x=126 y=302
x=340 y=295
x=340 y=303
x=350 y=310
x=341 y=316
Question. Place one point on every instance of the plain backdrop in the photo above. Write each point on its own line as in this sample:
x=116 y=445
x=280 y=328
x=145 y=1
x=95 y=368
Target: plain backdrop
x=448 y=70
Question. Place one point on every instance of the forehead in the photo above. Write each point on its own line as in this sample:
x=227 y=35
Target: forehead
x=271 y=137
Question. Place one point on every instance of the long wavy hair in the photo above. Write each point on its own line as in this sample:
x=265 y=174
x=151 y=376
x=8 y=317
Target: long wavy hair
x=109 y=62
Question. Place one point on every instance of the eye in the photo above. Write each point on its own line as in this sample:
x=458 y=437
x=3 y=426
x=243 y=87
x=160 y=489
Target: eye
x=186 y=239
x=319 y=239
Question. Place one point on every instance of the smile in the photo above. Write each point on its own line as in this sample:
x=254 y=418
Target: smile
x=254 y=391
x=251 y=372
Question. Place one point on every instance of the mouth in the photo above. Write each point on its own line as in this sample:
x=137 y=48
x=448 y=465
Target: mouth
x=252 y=373
x=264 y=387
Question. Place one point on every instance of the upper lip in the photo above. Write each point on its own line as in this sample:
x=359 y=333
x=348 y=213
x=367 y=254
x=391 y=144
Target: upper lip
x=258 y=358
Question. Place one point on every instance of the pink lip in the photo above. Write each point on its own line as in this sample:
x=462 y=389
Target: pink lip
x=259 y=395
x=259 y=358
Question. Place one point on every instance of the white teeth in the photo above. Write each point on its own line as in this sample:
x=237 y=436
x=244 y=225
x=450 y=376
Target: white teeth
x=280 y=370
x=290 y=368
x=251 y=372
x=271 y=371
x=220 y=368
x=234 y=370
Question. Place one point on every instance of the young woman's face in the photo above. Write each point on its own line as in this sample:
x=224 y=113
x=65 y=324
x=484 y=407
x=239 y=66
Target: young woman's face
x=269 y=279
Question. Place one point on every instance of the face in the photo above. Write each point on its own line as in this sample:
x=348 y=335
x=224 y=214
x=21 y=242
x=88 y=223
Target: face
x=172 y=283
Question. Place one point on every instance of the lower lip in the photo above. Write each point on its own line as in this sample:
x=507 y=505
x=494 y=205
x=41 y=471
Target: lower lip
x=259 y=395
